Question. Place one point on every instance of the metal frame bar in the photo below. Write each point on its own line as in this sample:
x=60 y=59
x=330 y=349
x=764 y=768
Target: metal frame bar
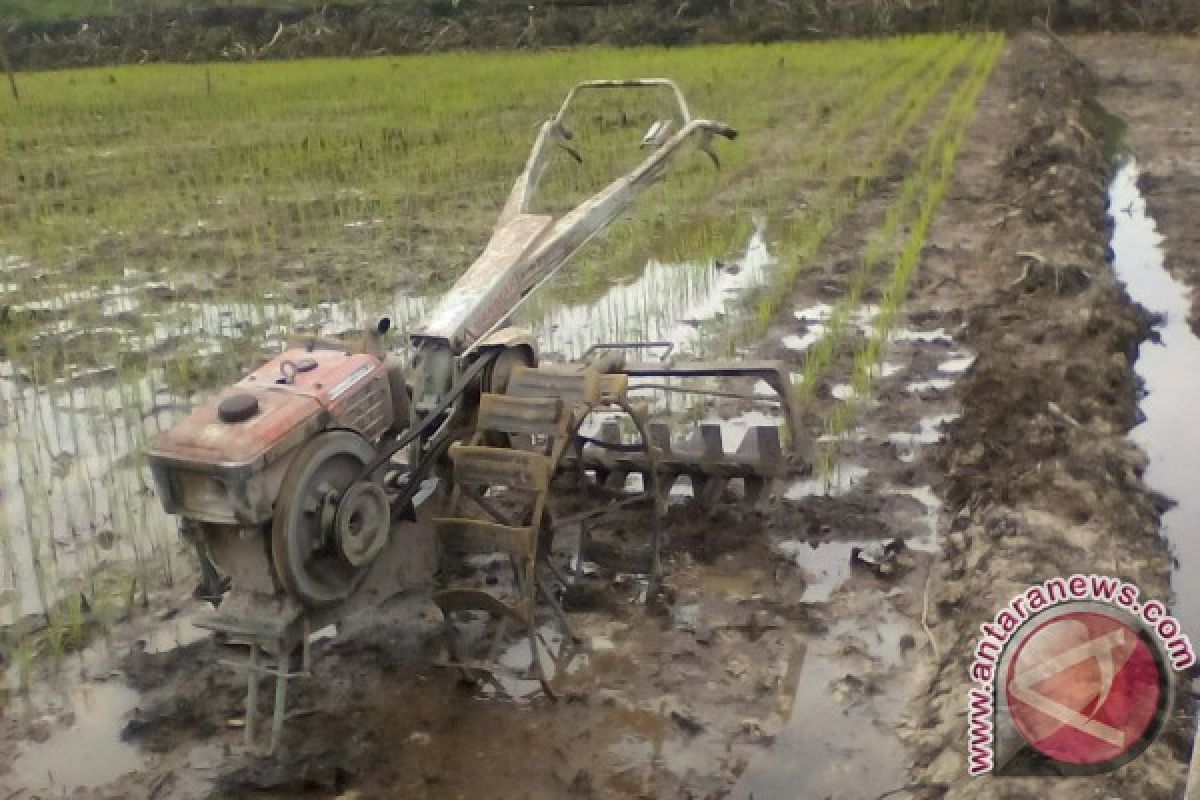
x=522 y=255
x=635 y=83
x=650 y=488
x=255 y=670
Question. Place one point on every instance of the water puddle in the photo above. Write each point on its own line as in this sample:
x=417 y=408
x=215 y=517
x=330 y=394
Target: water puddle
x=88 y=752
x=649 y=744
x=678 y=303
x=177 y=632
x=854 y=435
x=956 y=365
x=826 y=565
x=931 y=385
x=929 y=431
x=831 y=723
x=1169 y=370
x=518 y=660
x=840 y=480
x=843 y=391
x=801 y=343
x=817 y=318
x=931 y=506
x=935 y=336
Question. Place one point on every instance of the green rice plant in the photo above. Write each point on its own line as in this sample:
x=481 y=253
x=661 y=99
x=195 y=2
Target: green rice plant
x=56 y=636
x=934 y=175
x=76 y=619
x=863 y=371
x=104 y=609
x=825 y=464
x=804 y=237
x=24 y=653
x=841 y=420
x=892 y=220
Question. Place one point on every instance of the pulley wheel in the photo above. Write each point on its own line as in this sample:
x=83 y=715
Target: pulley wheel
x=304 y=541
x=362 y=522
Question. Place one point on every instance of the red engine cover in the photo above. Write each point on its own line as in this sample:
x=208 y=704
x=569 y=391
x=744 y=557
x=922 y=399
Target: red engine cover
x=297 y=393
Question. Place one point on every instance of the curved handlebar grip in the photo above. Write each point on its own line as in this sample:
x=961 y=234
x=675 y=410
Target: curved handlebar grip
x=721 y=129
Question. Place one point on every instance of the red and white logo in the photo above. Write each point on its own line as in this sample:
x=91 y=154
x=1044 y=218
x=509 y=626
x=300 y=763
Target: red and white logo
x=1083 y=688
x=1075 y=675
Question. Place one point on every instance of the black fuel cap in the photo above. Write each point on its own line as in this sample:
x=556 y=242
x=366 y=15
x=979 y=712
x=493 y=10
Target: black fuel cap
x=237 y=408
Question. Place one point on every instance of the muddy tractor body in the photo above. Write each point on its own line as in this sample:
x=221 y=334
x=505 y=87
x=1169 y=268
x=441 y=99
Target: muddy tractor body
x=333 y=477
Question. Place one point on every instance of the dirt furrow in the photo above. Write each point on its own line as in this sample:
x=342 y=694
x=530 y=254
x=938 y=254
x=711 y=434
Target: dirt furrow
x=1038 y=473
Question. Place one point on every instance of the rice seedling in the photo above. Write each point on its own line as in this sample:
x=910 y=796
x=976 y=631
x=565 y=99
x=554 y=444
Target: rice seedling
x=23 y=655
x=919 y=199
x=803 y=238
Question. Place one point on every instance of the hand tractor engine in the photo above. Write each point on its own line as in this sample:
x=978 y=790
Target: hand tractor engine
x=270 y=476
x=330 y=478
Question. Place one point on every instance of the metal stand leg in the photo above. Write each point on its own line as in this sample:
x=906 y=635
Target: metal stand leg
x=581 y=550
x=497 y=640
x=535 y=658
x=559 y=613
x=280 y=652
x=650 y=485
x=252 y=676
x=281 y=679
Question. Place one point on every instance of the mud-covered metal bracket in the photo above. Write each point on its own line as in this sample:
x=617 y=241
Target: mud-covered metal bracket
x=772 y=373
x=759 y=459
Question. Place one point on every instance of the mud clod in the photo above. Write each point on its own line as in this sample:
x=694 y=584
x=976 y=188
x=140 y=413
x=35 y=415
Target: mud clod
x=291 y=777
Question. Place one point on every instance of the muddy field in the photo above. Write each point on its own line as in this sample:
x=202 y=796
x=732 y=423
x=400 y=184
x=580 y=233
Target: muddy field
x=813 y=647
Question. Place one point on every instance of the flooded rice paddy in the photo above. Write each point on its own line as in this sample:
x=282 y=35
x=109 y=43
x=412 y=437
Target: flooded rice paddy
x=690 y=297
